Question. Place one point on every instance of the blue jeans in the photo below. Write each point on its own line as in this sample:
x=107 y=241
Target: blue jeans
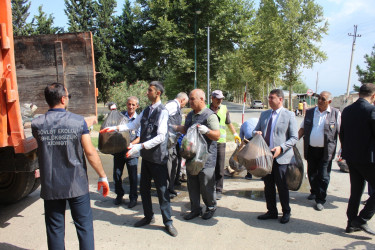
x=119 y=161
x=82 y=217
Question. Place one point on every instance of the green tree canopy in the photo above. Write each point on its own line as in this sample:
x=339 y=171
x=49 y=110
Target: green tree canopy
x=20 y=13
x=43 y=24
x=367 y=75
x=80 y=15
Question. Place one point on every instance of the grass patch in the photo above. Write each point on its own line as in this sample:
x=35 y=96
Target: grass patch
x=94 y=141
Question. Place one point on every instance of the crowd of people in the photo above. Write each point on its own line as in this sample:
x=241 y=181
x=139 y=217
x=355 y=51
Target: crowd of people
x=63 y=167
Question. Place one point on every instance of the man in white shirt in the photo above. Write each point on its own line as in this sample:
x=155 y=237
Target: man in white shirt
x=153 y=121
x=320 y=128
x=175 y=118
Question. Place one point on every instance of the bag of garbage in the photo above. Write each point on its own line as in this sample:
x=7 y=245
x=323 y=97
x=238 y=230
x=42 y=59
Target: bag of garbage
x=172 y=137
x=294 y=171
x=233 y=160
x=256 y=157
x=114 y=142
x=194 y=150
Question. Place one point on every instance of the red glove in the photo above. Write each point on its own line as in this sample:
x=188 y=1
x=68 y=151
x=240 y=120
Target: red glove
x=108 y=129
x=103 y=182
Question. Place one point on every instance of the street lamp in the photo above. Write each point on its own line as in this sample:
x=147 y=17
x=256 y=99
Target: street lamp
x=197 y=12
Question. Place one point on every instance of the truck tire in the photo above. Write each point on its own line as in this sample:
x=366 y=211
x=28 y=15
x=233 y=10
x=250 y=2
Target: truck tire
x=15 y=186
x=36 y=185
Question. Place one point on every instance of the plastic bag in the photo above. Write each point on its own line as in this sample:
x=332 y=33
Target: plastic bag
x=233 y=160
x=114 y=142
x=294 y=171
x=194 y=150
x=256 y=157
x=172 y=137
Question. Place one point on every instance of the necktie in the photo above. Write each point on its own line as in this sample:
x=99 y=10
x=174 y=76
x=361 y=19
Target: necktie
x=268 y=132
x=149 y=114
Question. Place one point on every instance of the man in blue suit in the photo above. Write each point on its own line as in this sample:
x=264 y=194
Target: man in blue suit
x=357 y=135
x=279 y=129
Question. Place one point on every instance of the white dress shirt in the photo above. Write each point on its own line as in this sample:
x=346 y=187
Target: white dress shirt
x=275 y=116
x=172 y=107
x=162 y=127
x=317 y=131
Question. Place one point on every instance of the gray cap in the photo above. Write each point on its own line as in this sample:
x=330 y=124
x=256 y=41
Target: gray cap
x=217 y=94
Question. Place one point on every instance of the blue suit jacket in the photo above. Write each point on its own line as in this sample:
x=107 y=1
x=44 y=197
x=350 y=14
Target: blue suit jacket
x=285 y=133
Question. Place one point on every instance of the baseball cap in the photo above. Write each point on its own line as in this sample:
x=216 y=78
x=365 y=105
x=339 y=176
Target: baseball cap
x=217 y=94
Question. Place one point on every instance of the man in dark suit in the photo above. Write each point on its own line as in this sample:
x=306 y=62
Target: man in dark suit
x=279 y=129
x=357 y=135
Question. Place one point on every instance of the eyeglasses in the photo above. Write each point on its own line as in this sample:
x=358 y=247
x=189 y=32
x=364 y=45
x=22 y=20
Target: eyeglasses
x=69 y=96
x=322 y=99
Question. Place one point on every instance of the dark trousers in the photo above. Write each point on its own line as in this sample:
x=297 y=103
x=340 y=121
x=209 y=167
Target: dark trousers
x=318 y=171
x=172 y=167
x=219 y=169
x=119 y=161
x=55 y=221
x=277 y=177
x=359 y=174
x=202 y=184
x=159 y=173
x=179 y=161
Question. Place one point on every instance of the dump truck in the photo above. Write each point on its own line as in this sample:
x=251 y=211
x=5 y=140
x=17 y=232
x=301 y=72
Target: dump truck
x=27 y=65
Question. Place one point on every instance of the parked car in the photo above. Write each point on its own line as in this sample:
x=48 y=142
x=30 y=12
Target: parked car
x=256 y=104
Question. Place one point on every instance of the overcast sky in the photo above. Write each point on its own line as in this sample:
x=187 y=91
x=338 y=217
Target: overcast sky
x=342 y=15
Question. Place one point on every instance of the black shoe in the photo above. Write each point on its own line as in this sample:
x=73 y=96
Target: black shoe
x=145 y=221
x=319 y=207
x=311 y=197
x=285 y=218
x=267 y=216
x=350 y=229
x=118 y=200
x=132 y=203
x=172 y=192
x=208 y=214
x=177 y=183
x=218 y=195
x=364 y=227
x=171 y=230
x=191 y=215
x=249 y=176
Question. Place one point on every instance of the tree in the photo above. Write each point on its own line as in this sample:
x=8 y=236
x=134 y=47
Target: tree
x=303 y=26
x=169 y=34
x=43 y=24
x=80 y=15
x=127 y=43
x=20 y=13
x=367 y=75
x=104 y=45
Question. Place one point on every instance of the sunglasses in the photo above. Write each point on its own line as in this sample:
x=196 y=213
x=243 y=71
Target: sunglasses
x=69 y=96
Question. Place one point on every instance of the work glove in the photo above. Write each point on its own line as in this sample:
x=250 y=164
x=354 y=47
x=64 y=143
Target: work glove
x=120 y=128
x=133 y=149
x=202 y=129
x=103 y=182
x=237 y=139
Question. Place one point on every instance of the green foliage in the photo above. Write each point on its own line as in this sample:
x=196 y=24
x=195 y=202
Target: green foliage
x=300 y=87
x=367 y=75
x=43 y=24
x=80 y=15
x=20 y=12
x=120 y=92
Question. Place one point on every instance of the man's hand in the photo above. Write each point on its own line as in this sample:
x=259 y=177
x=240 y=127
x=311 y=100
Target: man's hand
x=258 y=132
x=202 y=129
x=237 y=139
x=103 y=182
x=277 y=151
x=108 y=129
x=133 y=149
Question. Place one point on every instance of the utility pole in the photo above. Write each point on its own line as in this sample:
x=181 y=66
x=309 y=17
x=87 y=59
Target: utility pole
x=316 y=86
x=208 y=65
x=351 y=58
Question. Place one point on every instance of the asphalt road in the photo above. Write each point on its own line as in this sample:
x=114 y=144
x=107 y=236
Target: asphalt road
x=234 y=225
